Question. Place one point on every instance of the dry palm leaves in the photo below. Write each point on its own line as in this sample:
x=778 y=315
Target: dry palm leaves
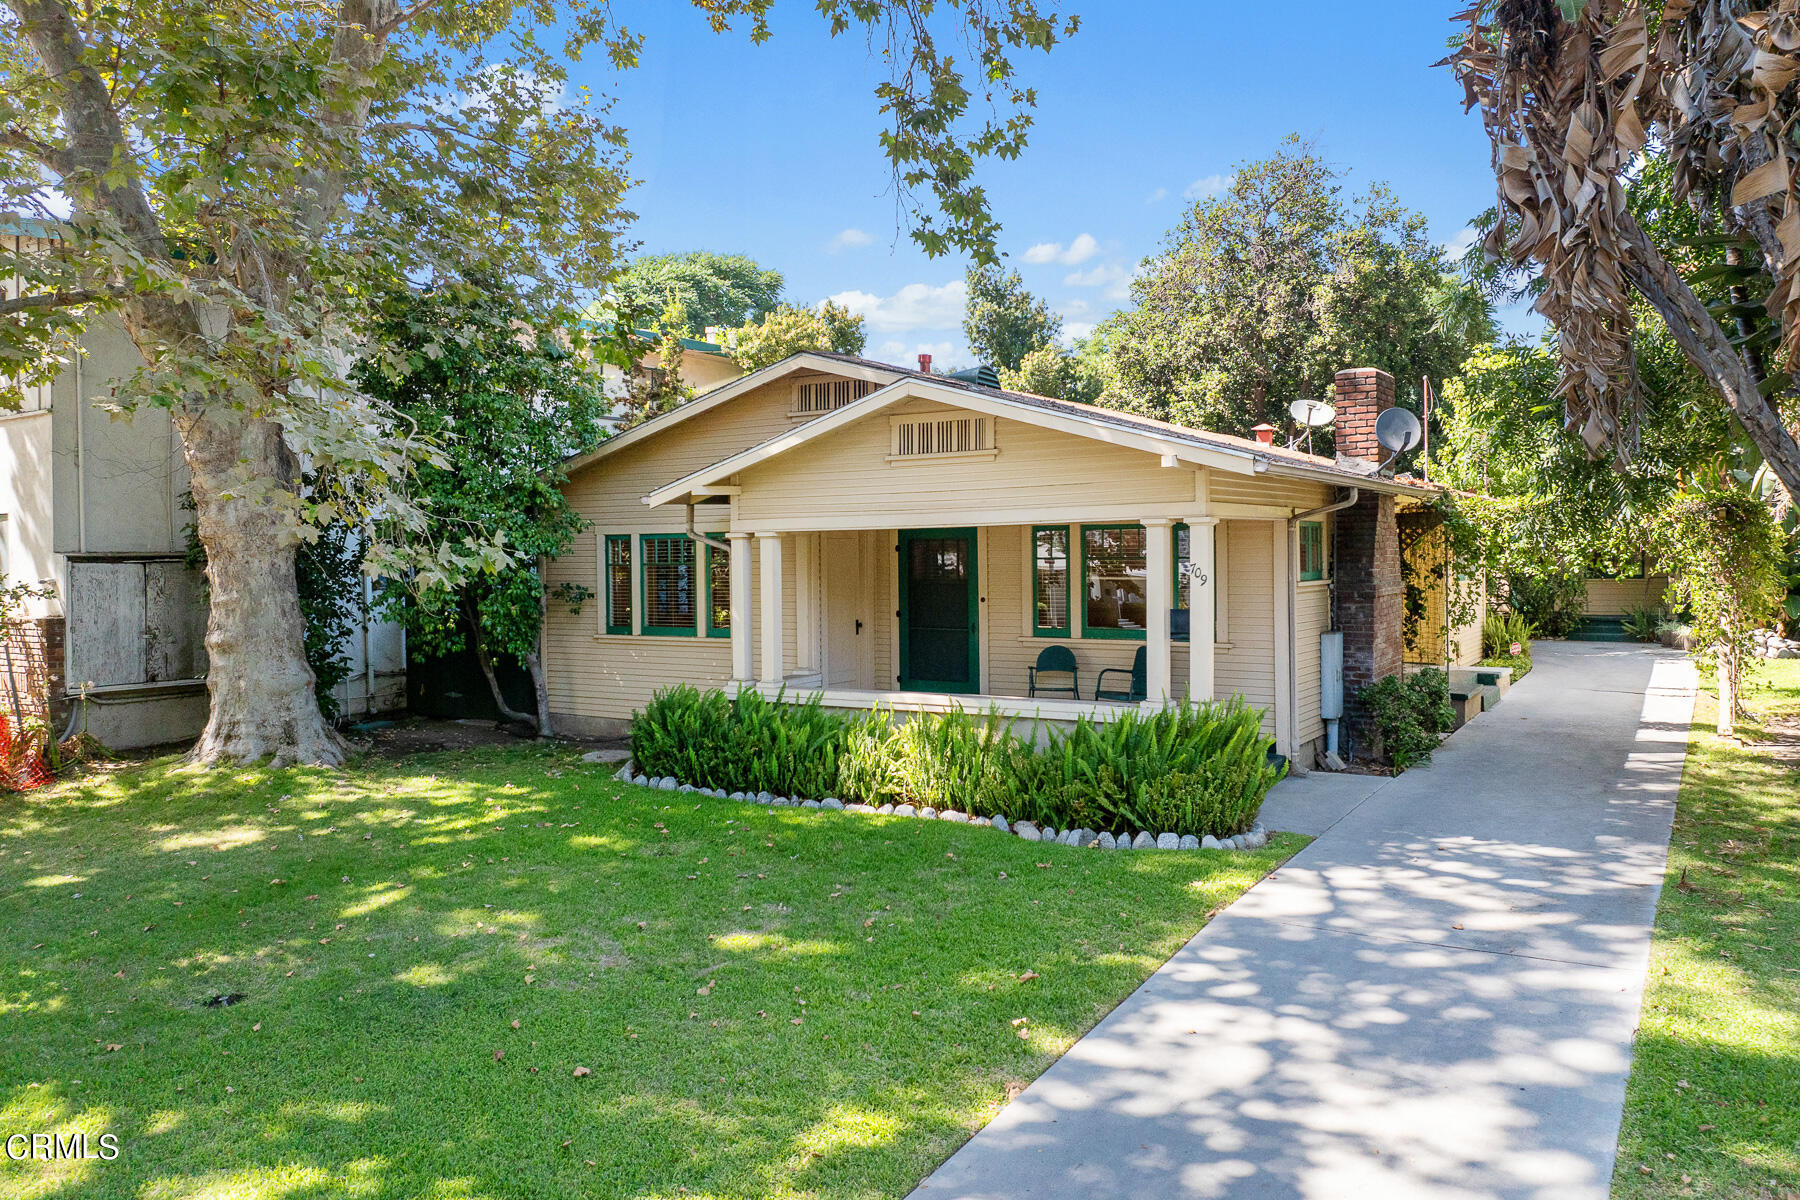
x=1568 y=90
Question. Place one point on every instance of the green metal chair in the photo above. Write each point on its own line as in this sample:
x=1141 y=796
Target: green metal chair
x=1140 y=687
x=1054 y=660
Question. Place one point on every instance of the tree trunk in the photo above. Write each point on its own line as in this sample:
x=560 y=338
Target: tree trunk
x=261 y=687
x=540 y=687
x=507 y=712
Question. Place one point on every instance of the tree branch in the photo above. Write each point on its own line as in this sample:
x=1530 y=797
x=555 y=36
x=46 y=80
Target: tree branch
x=57 y=299
x=54 y=158
x=1709 y=348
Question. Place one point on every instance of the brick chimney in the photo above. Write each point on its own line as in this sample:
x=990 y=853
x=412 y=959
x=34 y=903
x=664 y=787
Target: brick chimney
x=925 y=369
x=1265 y=433
x=1363 y=394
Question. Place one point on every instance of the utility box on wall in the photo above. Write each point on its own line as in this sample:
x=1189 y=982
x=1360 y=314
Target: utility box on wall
x=1331 y=675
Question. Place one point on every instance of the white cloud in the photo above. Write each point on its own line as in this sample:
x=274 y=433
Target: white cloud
x=944 y=355
x=1462 y=243
x=1084 y=247
x=849 y=239
x=1074 y=331
x=915 y=306
x=1157 y=197
x=1113 y=280
x=1212 y=185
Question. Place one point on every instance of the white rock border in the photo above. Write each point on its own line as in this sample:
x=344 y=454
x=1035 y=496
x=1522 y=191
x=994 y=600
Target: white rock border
x=1256 y=839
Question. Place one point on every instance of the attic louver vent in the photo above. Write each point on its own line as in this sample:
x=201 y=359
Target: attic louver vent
x=823 y=395
x=940 y=434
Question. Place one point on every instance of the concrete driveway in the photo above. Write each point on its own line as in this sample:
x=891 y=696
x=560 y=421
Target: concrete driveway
x=1434 y=999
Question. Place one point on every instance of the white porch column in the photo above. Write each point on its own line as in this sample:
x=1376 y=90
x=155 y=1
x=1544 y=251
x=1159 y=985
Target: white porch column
x=1202 y=601
x=742 y=670
x=1159 y=598
x=768 y=547
x=806 y=603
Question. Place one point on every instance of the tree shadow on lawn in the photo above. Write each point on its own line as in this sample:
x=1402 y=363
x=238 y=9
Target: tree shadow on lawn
x=765 y=1002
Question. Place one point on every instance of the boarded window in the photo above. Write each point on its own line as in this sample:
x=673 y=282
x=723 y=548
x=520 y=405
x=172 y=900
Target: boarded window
x=1050 y=557
x=671 y=590
x=135 y=621
x=618 y=584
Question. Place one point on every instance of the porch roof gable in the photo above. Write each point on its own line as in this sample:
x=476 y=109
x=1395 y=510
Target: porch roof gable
x=1173 y=444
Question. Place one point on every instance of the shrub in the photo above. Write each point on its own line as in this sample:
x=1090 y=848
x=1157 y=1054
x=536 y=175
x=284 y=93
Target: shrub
x=1553 y=604
x=1641 y=622
x=1198 y=768
x=1520 y=664
x=1411 y=714
x=1499 y=631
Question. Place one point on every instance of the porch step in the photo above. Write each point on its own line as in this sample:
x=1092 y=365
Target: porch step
x=1600 y=628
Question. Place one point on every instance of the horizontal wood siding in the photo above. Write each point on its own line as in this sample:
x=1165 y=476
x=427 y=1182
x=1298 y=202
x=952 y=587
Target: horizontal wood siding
x=1312 y=617
x=1248 y=668
x=1264 y=490
x=1612 y=597
x=593 y=675
x=1034 y=467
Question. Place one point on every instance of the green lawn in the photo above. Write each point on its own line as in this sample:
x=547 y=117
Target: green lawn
x=500 y=973
x=1714 y=1102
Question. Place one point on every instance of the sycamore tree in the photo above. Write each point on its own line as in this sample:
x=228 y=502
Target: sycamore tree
x=1576 y=97
x=1264 y=292
x=243 y=177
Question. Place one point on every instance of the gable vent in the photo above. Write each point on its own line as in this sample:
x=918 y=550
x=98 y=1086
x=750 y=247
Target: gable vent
x=817 y=396
x=943 y=435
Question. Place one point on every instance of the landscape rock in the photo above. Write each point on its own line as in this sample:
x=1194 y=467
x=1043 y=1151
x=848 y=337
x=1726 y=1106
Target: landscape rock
x=905 y=810
x=928 y=812
x=1209 y=842
x=886 y=810
x=811 y=804
x=641 y=780
x=1167 y=841
x=667 y=784
x=764 y=798
x=1189 y=842
x=1143 y=841
x=606 y=756
x=833 y=803
x=859 y=808
x=1026 y=830
x=954 y=817
x=1105 y=841
x=999 y=823
x=1085 y=837
x=1047 y=835
x=1122 y=841
x=1066 y=838
x=738 y=796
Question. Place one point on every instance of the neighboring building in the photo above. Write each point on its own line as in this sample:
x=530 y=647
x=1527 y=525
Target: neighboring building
x=93 y=501
x=1444 y=617
x=705 y=365
x=839 y=526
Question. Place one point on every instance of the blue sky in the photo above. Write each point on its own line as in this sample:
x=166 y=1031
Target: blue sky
x=772 y=150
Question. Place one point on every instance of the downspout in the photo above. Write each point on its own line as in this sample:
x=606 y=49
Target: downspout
x=703 y=539
x=80 y=459
x=1293 y=680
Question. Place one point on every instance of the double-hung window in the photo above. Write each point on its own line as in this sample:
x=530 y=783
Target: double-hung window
x=671 y=585
x=1050 y=580
x=618 y=583
x=718 y=592
x=1114 y=602
x=1312 y=550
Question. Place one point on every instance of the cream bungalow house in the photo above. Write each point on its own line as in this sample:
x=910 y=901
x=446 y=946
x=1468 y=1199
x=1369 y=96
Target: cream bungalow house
x=876 y=535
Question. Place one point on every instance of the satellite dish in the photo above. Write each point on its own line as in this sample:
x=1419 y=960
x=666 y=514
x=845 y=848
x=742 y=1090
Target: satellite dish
x=1311 y=413
x=1398 y=431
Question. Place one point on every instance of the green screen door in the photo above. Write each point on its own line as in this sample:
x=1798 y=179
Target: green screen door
x=939 y=611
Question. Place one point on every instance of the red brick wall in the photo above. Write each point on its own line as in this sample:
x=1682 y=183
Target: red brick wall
x=1362 y=395
x=35 y=646
x=1371 y=602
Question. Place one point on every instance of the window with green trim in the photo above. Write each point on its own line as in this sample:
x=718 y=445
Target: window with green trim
x=671 y=591
x=618 y=583
x=1312 y=550
x=718 y=592
x=1050 y=580
x=1115 y=601
x=1184 y=580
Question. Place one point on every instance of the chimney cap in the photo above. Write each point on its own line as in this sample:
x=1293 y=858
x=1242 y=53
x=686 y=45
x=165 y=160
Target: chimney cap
x=924 y=364
x=1265 y=433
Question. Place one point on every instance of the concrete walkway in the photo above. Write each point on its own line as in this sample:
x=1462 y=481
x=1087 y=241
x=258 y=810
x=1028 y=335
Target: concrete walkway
x=1434 y=999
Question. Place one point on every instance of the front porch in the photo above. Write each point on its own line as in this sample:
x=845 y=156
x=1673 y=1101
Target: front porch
x=929 y=620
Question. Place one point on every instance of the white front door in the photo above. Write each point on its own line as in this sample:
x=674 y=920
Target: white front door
x=849 y=617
